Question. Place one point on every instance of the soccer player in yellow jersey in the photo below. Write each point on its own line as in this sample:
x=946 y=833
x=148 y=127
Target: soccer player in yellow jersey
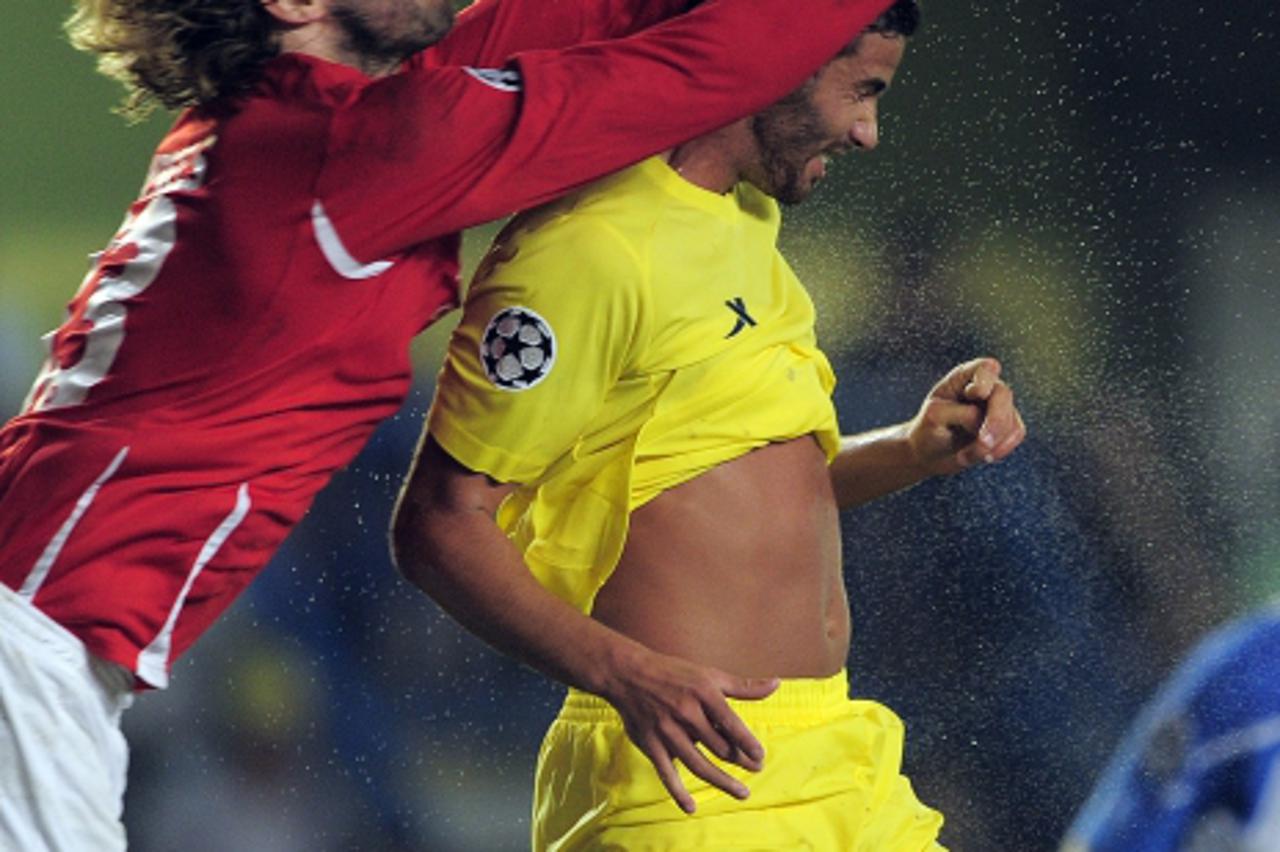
x=630 y=481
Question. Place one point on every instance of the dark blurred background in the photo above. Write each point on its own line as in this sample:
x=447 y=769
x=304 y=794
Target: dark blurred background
x=1087 y=190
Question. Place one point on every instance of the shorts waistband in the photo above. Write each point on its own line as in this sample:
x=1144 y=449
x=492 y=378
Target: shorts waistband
x=25 y=619
x=22 y=615
x=796 y=700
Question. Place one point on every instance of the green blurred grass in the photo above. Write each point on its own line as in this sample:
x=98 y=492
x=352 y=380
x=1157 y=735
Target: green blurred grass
x=68 y=166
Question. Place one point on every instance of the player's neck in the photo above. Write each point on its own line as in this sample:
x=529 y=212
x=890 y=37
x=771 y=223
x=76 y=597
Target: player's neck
x=712 y=162
x=323 y=43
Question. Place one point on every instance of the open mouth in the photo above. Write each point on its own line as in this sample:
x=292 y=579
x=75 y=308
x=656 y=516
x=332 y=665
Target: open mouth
x=825 y=157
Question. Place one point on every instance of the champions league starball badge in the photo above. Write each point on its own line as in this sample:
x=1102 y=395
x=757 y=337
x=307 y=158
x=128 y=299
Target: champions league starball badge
x=518 y=349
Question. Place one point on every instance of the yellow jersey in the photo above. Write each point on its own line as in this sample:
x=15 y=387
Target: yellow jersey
x=617 y=343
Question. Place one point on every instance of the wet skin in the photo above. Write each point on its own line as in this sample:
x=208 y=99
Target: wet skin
x=739 y=568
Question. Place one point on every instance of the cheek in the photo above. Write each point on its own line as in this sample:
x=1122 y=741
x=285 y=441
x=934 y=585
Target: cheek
x=831 y=121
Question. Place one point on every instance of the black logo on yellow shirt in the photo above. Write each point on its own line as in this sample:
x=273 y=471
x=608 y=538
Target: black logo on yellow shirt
x=742 y=319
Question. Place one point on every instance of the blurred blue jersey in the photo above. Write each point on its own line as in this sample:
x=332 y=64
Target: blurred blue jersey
x=1198 y=770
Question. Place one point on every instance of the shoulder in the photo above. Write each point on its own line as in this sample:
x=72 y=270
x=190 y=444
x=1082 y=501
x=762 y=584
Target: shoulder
x=577 y=276
x=596 y=236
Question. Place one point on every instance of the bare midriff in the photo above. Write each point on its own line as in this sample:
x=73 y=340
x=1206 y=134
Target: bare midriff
x=739 y=568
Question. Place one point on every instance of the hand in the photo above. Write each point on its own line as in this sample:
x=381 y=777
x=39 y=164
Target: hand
x=968 y=417
x=669 y=706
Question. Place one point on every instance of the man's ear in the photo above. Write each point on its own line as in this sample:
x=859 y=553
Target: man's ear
x=296 y=12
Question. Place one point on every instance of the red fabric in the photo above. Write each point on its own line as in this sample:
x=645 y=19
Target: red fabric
x=221 y=344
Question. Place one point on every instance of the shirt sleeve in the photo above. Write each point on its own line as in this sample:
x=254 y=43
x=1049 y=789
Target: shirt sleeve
x=546 y=332
x=431 y=151
x=488 y=32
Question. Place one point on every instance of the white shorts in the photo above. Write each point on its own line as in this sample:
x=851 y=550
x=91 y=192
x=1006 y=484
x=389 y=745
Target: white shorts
x=63 y=759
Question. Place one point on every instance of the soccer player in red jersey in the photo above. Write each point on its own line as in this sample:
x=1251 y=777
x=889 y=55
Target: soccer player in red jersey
x=248 y=326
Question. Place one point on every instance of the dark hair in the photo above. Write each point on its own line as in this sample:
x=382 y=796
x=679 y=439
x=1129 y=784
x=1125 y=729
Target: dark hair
x=175 y=53
x=900 y=20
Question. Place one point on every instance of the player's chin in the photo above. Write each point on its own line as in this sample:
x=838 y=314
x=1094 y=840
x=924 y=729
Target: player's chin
x=440 y=14
x=434 y=23
x=797 y=191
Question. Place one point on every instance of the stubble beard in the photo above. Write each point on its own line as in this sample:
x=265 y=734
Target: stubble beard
x=788 y=135
x=379 y=46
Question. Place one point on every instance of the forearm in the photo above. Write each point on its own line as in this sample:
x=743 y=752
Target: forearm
x=447 y=542
x=488 y=32
x=564 y=118
x=461 y=559
x=968 y=418
x=873 y=464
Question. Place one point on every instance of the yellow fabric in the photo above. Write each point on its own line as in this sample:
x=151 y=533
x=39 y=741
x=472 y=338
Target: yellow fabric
x=650 y=386
x=831 y=783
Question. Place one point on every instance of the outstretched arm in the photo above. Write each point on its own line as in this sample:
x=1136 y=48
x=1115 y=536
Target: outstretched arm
x=968 y=417
x=447 y=543
x=488 y=32
x=422 y=154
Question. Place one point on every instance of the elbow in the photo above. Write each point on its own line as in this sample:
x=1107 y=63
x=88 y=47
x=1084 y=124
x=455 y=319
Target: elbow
x=413 y=548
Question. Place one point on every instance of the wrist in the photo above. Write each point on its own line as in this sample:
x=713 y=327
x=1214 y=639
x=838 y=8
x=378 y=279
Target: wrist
x=911 y=442
x=612 y=663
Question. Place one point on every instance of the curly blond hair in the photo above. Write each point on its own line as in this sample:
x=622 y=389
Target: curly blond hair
x=175 y=53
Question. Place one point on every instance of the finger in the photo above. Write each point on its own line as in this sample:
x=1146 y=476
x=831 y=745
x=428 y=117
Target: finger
x=985 y=374
x=720 y=743
x=697 y=763
x=1001 y=417
x=972 y=454
x=667 y=774
x=954 y=384
x=956 y=416
x=1012 y=442
x=750 y=751
x=749 y=688
x=713 y=739
x=1007 y=445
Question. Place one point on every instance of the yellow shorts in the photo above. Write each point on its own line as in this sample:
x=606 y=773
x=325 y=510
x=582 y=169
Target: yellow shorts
x=831 y=782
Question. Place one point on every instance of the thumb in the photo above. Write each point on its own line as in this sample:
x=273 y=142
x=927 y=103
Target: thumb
x=970 y=380
x=749 y=687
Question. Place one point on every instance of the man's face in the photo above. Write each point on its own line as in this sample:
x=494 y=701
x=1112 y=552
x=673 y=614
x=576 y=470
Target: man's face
x=830 y=115
x=384 y=33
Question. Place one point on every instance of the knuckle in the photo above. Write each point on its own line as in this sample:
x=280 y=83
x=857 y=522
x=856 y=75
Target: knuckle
x=671 y=731
x=653 y=749
x=690 y=709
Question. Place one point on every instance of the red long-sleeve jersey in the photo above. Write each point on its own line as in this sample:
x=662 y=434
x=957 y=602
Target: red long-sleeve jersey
x=249 y=325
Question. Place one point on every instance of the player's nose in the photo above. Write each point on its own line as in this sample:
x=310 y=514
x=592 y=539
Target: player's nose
x=865 y=134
